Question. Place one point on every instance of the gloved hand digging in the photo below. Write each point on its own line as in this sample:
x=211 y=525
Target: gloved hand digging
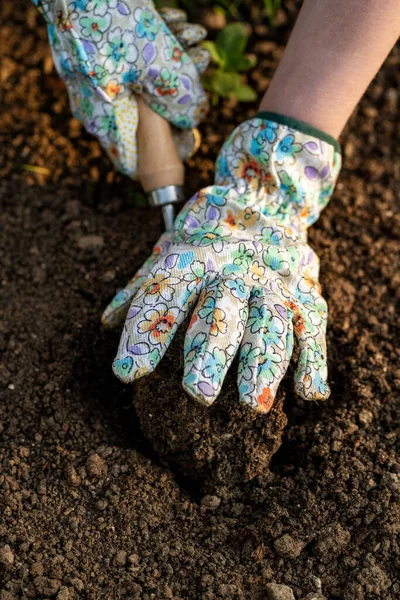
x=238 y=256
x=107 y=51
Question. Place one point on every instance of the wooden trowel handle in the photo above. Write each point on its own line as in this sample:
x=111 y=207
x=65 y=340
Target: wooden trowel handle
x=159 y=164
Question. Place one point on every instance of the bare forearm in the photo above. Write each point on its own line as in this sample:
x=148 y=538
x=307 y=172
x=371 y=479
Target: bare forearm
x=334 y=51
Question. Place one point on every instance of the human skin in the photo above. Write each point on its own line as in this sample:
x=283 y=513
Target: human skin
x=334 y=51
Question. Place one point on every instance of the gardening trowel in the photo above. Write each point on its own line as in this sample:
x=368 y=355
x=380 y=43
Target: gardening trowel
x=160 y=170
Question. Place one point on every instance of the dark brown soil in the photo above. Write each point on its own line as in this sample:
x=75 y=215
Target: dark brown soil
x=219 y=446
x=88 y=510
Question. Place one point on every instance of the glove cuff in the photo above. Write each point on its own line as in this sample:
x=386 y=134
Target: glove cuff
x=281 y=167
x=299 y=126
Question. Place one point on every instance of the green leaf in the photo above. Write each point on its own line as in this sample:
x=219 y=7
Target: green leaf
x=245 y=93
x=214 y=52
x=224 y=83
x=232 y=40
x=244 y=63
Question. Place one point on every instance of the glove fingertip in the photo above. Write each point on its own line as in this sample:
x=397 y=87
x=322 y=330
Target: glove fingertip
x=261 y=403
x=311 y=375
x=309 y=390
x=108 y=320
x=124 y=369
x=200 y=391
x=113 y=316
x=172 y=16
x=189 y=34
x=200 y=58
x=265 y=401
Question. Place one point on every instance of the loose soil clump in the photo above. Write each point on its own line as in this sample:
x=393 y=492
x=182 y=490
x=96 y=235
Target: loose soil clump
x=224 y=444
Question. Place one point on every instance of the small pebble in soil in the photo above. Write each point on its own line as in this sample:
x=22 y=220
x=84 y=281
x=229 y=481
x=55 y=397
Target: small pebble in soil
x=72 y=476
x=37 y=569
x=276 y=591
x=365 y=417
x=6 y=557
x=63 y=593
x=331 y=542
x=315 y=596
x=120 y=558
x=133 y=559
x=90 y=242
x=96 y=466
x=46 y=586
x=77 y=584
x=392 y=481
x=288 y=547
x=108 y=275
x=210 y=502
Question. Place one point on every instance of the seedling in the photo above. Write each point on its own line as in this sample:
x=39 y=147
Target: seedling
x=228 y=53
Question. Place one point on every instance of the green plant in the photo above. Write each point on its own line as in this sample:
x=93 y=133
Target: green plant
x=228 y=53
x=271 y=7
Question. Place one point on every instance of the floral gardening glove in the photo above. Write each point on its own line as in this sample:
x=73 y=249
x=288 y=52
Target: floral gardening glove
x=105 y=50
x=239 y=257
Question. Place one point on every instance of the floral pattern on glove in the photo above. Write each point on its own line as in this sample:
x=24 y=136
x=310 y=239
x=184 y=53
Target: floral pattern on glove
x=105 y=50
x=239 y=262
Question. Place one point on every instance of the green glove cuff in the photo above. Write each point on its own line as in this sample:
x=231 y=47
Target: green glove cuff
x=300 y=126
